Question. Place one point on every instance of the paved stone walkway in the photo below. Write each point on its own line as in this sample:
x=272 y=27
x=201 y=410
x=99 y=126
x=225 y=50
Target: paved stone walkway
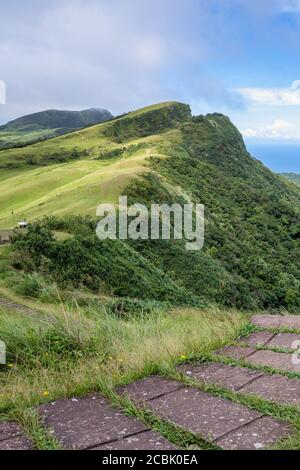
x=15 y=306
x=91 y=422
x=247 y=350
x=277 y=321
x=222 y=422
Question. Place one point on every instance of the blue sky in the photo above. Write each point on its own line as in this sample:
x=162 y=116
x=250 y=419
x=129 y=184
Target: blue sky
x=239 y=57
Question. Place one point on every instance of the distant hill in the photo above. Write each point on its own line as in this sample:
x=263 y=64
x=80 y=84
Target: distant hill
x=46 y=124
x=160 y=154
x=295 y=177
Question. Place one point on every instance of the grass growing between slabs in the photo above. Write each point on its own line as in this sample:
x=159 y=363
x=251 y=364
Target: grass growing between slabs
x=70 y=354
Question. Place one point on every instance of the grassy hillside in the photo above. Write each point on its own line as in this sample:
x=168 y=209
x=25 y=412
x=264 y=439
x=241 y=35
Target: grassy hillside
x=47 y=124
x=75 y=187
x=295 y=177
x=158 y=154
x=95 y=167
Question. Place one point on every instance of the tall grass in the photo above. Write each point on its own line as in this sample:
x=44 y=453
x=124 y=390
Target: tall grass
x=32 y=343
x=69 y=354
x=161 y=339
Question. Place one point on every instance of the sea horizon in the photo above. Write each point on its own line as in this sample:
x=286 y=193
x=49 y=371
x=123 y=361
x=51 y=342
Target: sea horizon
x=279 y=157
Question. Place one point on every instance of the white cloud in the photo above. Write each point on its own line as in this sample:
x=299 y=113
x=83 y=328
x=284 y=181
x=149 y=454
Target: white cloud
x=280 y=124
x=114 y=54
x=249 y=132
x=290 y=6
x=279 y=129
x=289 y=96
x=107 y=54
x=2 y=92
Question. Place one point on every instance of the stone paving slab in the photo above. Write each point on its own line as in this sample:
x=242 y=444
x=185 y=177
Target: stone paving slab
x=213 y=417
x=81 y=423
x=271 y=340
x=150 y=387
x=202 y=413
x=280 y=361
x=284 y=340
x=210 y=416
x=147 y=440
x=276 y=388
x=224 y=375
x=235 y=352
x=12 y=437
x=259 y=434
x=276 y=360
x=277 y=321
x=17 y=443
x=9 y=429
x=258 y=338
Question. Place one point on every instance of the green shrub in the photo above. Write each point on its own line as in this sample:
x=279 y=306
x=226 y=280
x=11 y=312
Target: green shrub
x=105 y=266
x=29 y=286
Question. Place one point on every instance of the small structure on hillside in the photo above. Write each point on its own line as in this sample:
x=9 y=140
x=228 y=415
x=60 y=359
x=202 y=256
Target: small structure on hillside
x=22 y=224
x=5 y=236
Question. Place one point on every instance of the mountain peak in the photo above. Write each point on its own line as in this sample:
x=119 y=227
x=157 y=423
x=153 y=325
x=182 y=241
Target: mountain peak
x=55 y=118
x=49 y=123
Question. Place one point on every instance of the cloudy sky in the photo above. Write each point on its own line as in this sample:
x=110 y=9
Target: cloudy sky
x=239 y=57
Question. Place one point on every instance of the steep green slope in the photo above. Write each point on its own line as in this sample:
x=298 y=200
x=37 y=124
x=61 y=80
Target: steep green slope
x=294 y=177
x=46 y=124
x=160 y=154
x=253 y=218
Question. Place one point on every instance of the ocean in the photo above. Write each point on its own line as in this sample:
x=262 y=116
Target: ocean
x=278 y=157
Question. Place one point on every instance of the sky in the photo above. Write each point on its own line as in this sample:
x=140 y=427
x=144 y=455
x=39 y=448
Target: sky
x=238 y=57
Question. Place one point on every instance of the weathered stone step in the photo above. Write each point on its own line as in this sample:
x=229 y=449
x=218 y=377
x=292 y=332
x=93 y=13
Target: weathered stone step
x=219 y=421
x=285 y=340
x=91 y=422
x=276 y=360
x=275 y=388
x=233 y=378
x=277 y=321
x=235 y=352
x=270 y=340
x=152 y=387
x=12 y=437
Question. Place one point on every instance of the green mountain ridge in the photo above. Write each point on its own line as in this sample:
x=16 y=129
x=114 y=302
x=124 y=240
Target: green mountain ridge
x=159 y=154
x=46 y=124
